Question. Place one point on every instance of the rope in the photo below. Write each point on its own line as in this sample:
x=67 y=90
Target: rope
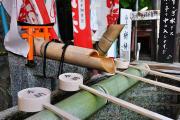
x=60 y=70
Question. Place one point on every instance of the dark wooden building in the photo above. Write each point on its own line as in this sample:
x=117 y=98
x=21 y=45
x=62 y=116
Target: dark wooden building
x=177 y=48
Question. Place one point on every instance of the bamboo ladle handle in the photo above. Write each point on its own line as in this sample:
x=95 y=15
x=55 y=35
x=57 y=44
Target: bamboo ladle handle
x=74 y=82
x=125 y=104
x=156 y=73
x=60 y=112
x=160 y=84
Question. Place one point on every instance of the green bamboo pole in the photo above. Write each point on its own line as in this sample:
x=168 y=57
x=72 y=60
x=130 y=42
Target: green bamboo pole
x=83 y=104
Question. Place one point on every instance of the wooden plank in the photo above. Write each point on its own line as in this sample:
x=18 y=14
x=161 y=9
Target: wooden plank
x=177 y=51
x=178 y=20
x=177 y=56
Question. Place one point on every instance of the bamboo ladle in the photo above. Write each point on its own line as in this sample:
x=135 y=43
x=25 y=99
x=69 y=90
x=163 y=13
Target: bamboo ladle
x=36 y=99
x=152 y=72
x=160 y=84
x=74 y=82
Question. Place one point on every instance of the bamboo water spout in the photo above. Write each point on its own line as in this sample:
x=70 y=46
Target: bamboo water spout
x=75 y=55
x=108 y=38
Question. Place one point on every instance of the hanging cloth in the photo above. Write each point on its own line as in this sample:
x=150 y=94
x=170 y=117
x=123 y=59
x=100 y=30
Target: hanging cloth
x=51 y=9
x=13 y=41
x=46 y=19
x=112 y=18
x=64 y=15
x=81 y=23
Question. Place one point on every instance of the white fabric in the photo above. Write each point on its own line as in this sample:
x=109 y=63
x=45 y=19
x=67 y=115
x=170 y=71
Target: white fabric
x=8 y=6
x=52 y=14
x=13 y=41
x=94 y=23
x=101 y=18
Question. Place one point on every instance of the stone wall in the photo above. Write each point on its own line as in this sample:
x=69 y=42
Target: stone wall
x=23 y=77
x=5 y=97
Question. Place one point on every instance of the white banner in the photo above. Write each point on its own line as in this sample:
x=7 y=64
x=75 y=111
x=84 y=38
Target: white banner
x=146 y=15
x=125 y=36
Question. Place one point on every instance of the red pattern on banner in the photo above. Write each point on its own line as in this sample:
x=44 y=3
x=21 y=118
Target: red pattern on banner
x=53 y=12
x=81 y=23
x=113 y=16
x=27 y=12
x=43 y=11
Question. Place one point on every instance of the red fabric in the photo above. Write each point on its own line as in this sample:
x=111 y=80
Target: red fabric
x=27 y=12
x=82 y=35
x=43 y=11
x=113 y=16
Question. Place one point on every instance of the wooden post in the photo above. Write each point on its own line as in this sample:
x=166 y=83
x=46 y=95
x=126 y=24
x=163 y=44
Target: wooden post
x=177 y=59
x=167 y=30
